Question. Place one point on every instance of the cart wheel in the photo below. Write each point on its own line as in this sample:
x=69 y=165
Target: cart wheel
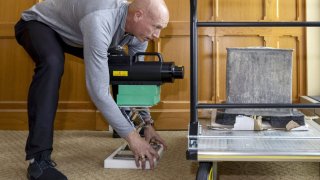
x=205 y=171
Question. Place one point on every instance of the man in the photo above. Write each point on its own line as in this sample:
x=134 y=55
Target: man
x=86 y=29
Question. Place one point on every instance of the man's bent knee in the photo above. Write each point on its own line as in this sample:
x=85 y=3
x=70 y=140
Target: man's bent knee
x=52 y=64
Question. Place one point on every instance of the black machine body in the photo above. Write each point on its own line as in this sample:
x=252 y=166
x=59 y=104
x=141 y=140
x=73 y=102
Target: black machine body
x=124 y=69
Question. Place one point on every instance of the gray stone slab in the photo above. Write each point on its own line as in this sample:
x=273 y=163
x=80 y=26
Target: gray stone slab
x=260 y=75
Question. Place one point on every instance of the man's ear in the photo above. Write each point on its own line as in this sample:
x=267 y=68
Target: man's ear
x=138 y=15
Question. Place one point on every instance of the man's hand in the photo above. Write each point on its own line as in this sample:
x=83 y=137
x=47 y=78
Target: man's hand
x=142 y=150
x=152 y=136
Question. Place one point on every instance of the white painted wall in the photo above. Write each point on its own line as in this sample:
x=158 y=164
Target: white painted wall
x=313 y=49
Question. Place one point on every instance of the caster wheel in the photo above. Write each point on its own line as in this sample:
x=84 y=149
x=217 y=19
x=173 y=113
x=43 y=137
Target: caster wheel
x=205 y=171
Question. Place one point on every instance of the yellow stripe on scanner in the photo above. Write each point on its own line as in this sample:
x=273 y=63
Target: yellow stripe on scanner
x=120 y=73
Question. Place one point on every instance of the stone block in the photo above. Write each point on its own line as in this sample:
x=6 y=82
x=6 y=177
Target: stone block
x=260 y=75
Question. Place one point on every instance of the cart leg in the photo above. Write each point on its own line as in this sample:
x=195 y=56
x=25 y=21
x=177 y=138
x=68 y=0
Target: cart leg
x=215 y=170
x=207 y=171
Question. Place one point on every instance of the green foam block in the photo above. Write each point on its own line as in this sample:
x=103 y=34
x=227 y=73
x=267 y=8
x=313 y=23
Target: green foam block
x=139 y=89
x=138 y=95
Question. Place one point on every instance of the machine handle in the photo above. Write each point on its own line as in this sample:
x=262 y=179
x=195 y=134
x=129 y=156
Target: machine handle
x=148 y=54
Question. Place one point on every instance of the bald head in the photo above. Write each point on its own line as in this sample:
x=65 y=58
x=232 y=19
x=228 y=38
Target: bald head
x=155 y=8
x=146 y=18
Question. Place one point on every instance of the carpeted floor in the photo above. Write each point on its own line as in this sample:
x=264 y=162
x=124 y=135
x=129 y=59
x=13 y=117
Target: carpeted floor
x=80 y=155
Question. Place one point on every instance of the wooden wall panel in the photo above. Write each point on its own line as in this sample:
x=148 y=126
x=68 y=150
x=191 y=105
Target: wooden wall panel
x=176 y=49
x=289 y=10
x=205 y=69
x=179 y=10
x=15 y=68
x=73 y=85
x=16 y=71
x=171 y=119
x=234 y=10
x=75 y=111
x=10 y=10
x=174 y=105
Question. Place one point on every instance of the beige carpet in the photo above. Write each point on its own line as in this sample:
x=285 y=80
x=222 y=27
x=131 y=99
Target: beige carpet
x=80 y=155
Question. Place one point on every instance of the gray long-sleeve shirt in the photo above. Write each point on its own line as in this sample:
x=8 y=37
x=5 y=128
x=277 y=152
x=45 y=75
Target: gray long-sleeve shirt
x=95 y=25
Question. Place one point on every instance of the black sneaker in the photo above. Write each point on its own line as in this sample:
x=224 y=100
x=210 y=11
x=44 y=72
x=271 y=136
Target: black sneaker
x=44 y=170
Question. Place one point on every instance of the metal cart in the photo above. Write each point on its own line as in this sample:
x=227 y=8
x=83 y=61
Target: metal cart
x=209 y=146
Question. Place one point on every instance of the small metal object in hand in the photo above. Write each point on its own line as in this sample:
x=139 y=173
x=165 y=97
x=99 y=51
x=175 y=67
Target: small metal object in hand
x=142 y=158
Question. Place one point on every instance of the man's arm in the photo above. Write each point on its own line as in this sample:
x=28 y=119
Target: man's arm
x=96 y=39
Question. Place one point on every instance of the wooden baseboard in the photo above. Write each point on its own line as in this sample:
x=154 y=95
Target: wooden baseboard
x=92 y=120
x=171 y=119
x=312 y=111
x=65 y=120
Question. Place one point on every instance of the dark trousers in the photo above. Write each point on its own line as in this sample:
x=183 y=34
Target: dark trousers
x=46 y=49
